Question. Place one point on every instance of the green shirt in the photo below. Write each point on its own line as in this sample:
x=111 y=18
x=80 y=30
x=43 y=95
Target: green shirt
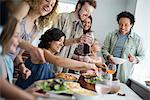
x=133 y=45
x=72 y=28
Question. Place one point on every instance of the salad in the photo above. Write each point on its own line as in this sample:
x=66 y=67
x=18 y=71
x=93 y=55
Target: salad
x=53 y=85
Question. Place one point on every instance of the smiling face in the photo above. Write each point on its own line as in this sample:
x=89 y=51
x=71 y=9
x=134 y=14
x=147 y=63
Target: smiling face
x=55 y=46
x=46 y=6
x=87 y=24
x=85 y=11
x=124 y=25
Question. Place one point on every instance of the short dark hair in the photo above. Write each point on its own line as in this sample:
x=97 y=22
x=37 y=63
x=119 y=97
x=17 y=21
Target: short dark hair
x=50 y=35
x=126 y=14
x=91 y=2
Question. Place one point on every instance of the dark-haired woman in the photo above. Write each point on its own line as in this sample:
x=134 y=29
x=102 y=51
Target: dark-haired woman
x=51 y=42
x=84 y=49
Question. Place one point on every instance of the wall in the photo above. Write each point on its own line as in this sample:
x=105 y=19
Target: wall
x=104 y=17
x=142 y=27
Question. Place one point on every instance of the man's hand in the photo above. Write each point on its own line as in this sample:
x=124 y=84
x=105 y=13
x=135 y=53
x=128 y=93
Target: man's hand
x=132 y=59
x=109 y=57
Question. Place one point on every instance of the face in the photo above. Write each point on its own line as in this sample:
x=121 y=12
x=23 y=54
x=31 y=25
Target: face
x=46 y=6
x=85 y=11
x=13 y=43
x=56 y=46
x=95 y=47
x=124 y=25
x=87 y=24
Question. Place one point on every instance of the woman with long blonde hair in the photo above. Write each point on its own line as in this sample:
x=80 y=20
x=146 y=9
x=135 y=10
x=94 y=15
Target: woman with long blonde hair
x=39 y=14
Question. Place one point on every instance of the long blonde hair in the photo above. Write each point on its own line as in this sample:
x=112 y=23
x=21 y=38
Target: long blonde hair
x=43 y=21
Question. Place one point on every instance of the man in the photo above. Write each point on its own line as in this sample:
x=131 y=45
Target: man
x=71 y=25
x=123 y=43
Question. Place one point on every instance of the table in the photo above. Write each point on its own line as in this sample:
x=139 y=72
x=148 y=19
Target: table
x=130 y=95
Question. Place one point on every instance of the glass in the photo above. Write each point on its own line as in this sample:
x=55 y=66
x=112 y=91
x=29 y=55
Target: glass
x=111 y=69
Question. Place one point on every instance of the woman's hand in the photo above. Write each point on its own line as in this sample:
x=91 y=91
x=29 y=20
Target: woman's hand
x=86 y=38
x=94 y=68
x=25 y=72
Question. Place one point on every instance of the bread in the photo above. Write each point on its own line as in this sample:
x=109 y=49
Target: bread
x=66 y=76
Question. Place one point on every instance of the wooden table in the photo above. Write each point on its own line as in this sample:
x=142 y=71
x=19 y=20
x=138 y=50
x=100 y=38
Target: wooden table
x=129 y=95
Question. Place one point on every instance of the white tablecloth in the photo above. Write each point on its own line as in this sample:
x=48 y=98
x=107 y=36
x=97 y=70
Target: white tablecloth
x=129 y=95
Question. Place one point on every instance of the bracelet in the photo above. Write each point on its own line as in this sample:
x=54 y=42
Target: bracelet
x=20 y=64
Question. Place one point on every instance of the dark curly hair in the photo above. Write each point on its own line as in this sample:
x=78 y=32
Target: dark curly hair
x=50 y=35
x=126 y=14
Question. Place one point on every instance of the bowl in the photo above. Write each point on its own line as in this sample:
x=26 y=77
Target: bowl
x=102 y=89
x=147 y=83
x=113 y=85
x=118 y=60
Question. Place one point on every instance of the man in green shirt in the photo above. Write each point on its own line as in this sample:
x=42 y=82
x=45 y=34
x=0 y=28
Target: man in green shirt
x=123 y=43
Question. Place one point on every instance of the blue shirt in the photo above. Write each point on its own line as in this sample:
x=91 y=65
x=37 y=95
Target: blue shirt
x=38 y=72
x=133 y=45
x=9 y=67
x=117 y=52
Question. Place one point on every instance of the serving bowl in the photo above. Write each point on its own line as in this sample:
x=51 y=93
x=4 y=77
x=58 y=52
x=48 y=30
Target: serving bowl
x=118 y=60
x=113 y=85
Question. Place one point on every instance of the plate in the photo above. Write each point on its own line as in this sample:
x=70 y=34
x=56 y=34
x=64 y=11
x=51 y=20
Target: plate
x=52 y=86
x=118 y=60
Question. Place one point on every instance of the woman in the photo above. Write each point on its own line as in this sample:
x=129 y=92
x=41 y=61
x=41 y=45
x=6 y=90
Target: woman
x=53 y=41
x=10 y=41
x=83 y=50
x=41 y=13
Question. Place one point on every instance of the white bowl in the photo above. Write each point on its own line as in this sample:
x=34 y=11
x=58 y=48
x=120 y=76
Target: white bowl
x=114 y=86
x=102 y=89
x=118 y=60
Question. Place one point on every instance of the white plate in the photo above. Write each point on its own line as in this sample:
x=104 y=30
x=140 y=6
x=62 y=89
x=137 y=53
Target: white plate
x=118 y=60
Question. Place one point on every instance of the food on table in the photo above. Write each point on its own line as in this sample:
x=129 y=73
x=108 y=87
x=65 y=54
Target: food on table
x=88 y=81
x=53 y=85
x=72 y=85
x=121 y=94
x=61 y=86
x=147 y=83
x=66 y=76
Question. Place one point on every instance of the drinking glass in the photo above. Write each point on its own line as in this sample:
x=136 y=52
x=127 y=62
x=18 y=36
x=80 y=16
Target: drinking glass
x=111 y=69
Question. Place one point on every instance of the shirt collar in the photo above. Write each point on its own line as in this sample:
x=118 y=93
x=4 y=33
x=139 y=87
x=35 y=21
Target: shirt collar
x=131 y=34
x=75 y=20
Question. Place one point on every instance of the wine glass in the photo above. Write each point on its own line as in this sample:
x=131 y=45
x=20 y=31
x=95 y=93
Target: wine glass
x=111 y=69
